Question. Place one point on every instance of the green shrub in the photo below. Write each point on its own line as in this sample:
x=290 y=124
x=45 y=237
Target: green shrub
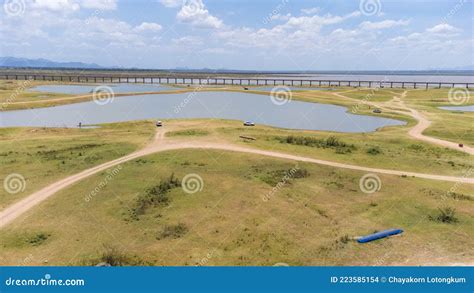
x=445 y=215
x=330 y=142
x=460 y=196
x=173 y=231
x=344 y=239
x=114 y=257
x=154 y=196
x=37 y=239
x=374 y=150
x=416 y=147
x=274 y=177
x=300 y=173
x=189 y=132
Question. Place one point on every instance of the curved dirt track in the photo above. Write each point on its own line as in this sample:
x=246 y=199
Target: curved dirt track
x=417 y=130
x=160 y=144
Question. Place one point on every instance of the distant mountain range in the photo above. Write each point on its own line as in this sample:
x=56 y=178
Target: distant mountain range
x=468 y=67
x=14 y=62
x=43 y=63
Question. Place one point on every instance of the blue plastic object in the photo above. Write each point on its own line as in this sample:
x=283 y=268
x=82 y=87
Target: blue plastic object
x=379 y=235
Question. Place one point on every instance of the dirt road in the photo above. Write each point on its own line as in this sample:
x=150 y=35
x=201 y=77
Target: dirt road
x=416 y=131
x=160 y=143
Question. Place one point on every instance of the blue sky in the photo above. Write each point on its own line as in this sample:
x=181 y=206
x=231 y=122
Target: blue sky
x=242 y=34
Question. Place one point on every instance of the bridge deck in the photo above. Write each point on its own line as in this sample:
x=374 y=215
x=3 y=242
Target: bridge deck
x=199 y=80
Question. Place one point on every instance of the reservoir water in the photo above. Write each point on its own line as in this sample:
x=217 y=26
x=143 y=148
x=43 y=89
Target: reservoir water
x=459 y=108
x=116 y=88
x=260 y=109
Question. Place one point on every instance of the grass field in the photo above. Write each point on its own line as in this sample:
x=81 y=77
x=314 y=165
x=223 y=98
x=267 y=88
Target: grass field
x=43 y=155
x=13 y=91
x=252 y=210
x=388 y=148
x=304 y=221
x=451 y=125
x=378 y=95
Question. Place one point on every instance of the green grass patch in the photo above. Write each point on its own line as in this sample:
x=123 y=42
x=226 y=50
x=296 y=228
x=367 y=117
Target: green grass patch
x=188 y=132
x=173 y=231
x=374 y=150
x=112 y=256
x=274 y=177
x=330 y=142
x=445 y=215
x=154 y=196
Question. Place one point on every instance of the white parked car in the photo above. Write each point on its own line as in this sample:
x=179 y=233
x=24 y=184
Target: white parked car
x=159 y=123
x=249 y=123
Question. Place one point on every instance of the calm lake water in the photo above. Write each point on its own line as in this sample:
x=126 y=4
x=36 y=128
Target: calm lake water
x=459 y=108
x=224 y=105
x=380 y=77
x=117 y=88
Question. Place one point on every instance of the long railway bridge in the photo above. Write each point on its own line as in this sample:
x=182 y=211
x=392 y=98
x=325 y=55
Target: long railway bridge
x=240 y=81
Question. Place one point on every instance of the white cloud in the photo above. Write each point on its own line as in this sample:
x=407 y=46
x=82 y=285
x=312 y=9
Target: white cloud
x=218 y=51
x=433 y=36
x=99 y=4
x=312 y=10
x=301 y=32
x=54 y=30
x=148 y=26
x=171 y=3
x=280 y=16
x=385 y=24
x=55 y=5
x=195 y=13
x=317 y=21
x=443 y=29
x=72 y=5
x=188 y=41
